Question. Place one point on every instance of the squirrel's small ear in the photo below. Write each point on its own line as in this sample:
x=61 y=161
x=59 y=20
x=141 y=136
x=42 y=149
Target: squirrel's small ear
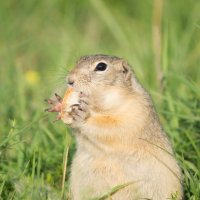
x=126 y=71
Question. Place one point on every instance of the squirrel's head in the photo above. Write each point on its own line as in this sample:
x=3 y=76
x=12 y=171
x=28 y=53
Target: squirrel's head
x=100 y=71
x=108 y=79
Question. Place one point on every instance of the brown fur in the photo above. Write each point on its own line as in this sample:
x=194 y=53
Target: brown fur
x=121 y=139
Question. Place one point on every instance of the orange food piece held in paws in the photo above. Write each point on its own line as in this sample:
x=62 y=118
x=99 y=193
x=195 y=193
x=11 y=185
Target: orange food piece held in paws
x=70 y=98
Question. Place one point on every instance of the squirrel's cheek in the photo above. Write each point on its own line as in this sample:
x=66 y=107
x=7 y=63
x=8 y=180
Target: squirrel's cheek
x=111 y=100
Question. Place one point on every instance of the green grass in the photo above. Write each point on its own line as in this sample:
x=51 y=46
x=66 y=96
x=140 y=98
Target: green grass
x=39 y=43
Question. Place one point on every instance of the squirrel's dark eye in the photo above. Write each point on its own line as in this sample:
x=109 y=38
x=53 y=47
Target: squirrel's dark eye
x=101 y=67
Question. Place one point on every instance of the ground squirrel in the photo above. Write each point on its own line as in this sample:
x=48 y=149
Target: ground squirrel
x=119 y=137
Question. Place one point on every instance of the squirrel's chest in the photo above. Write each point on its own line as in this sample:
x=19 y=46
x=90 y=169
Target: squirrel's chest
x=103 y=168
x=96 y=175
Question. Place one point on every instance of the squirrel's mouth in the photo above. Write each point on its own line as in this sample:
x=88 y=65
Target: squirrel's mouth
x=80 y=87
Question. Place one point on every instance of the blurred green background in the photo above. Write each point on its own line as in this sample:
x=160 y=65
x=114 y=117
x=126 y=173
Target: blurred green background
x=40 y=41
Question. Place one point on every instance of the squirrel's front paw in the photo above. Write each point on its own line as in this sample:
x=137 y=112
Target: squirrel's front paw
x=80 y=111
x=56 y=106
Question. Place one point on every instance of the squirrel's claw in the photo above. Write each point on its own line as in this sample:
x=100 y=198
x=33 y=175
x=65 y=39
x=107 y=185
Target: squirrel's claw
x=51 y=110
x=56 y=108
x=58 y=97
x=50 y=101
x=57 y=118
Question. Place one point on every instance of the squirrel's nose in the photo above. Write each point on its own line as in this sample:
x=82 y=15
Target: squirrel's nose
x=70 y=81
